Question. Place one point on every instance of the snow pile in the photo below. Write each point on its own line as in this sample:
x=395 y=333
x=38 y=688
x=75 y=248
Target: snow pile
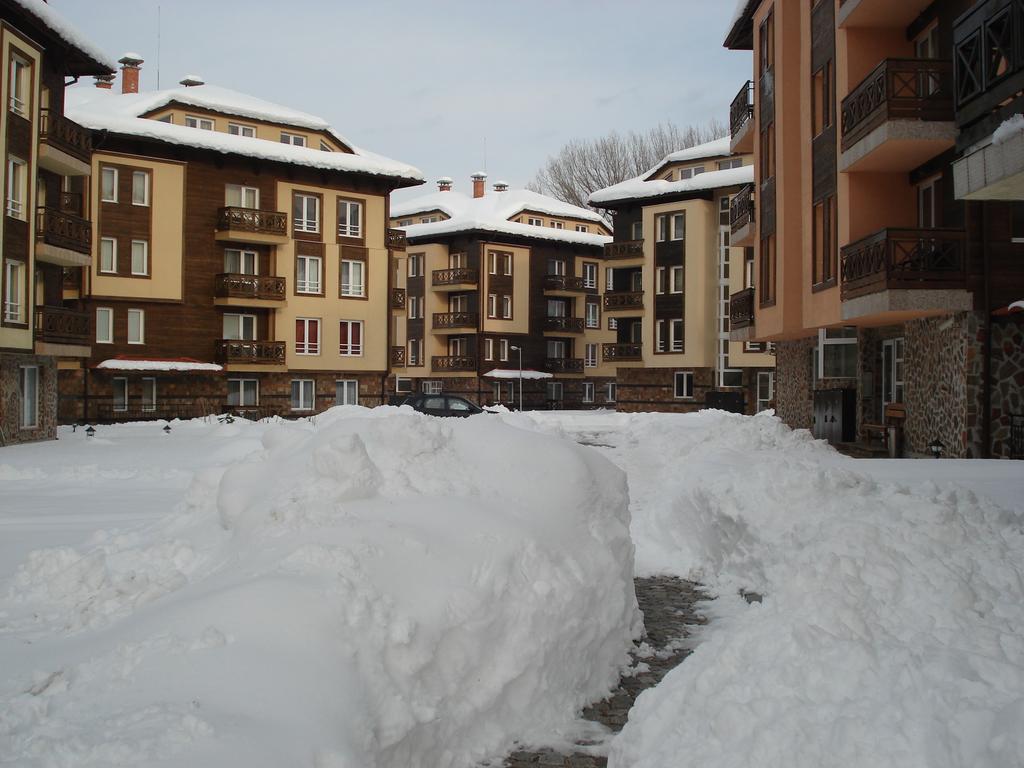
x=376 y=589
x=67 y=31
x=136 y=364
x=1008 y=129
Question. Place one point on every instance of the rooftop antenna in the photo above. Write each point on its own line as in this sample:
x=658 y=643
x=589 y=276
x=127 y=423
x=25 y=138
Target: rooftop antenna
x=485 y=154
x=158 y=47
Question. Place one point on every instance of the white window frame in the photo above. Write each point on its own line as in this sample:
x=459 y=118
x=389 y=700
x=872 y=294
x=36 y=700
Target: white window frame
x=142 y=200
x=488 y=349
x=769 y=376
x=506 y=307
x=241 y=193
x=675 y=280
x=351 y=349
x=18 y=85
x=676 y=335
x=611 y=392
x=659 y=280
x=243 y=256
x=431 y=387
x=557 y=225
x=113 y=256
x=242 y=129
x=661 y=227
x=590 y=355
x=492 y=263
x=242 y=386
x=492 y=305
x=582 y=228
x=17 y=183
x=415 y=307
x=825 y=341
x=119 y=383
x=659 y=335
x=325 y=147
x=677 y=226
x=303 y=403
x=593 y=314
x=355 y=284
x=506 y=260
x=107 y=172
x=145 y=257
x=534 y=222
x=348 y=229
x=148 y=394
x=403 y=384
x=305 y=223
x=14 y=291
x=104 y=323
x=415 y=352
x=295 y=139
x=590 y=274
x=141 y=315
x=686 y=378
x=28 y=407
x=202 y=123
x=503 y=347
x=556 y=267
x=588 y=392
x=302 y=267
x=415 y=265
x=305 y=347
x=243 y=324
x=554 y=391
x=349 y=389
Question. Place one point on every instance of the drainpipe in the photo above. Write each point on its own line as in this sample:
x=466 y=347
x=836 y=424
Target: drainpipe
x=986 y=372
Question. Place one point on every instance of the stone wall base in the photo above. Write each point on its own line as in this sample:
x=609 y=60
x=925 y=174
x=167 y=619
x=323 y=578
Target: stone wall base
x=11 y=429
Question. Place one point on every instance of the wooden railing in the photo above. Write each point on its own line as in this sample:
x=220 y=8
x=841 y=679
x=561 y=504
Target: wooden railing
x=453 y=363
x=71 y=202
x=612 y=352
x=62 y=326
x=453 y=276
x=566 y=324
x=614 y=300
x=398 y=298
x=253 y=352
x=64 y=230
x=741 y=209
x=627 y=249
x=564 y=365
x=903 y=258
x=65 y=135
x=742 y=108
x=237 y=286
x=988 y=43
x=252 y=220
x=396 y=239
x=398 y=357
x=741 y=309
x=564 y=283
x=456 y=320
x=918 y=89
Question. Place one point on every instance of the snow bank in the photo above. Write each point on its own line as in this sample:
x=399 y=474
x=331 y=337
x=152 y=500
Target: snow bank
x=376 y=589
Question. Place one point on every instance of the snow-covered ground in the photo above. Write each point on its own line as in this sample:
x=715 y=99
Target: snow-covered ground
x=383 y=589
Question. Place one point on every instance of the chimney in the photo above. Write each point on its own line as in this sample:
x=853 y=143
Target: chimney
x=478 y=183
x=501 y=186
x=190 y=81
x=105 y=82
x=130 y=63
x=444 y=184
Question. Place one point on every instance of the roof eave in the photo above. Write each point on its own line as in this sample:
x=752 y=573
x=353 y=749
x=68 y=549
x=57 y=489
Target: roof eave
x=741 y=36
x=496 y=237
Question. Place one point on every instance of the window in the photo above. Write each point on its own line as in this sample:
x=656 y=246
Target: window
x=140 y=257
x=683 y=384
x=16 y=178
x=590 y=356
x=108 y=255
x=140 y=188
x=593 y=315
x=767 y=152
x=307 y=336
x=239 y=327
x=243 y=392
x=353 y=278
x=676 y=283
x=557 y=308
x=108 y=185
x=351 y=336
x=308 y=273
x=661 y=228
x=303 y=394
x=119 y=394
x=588 y=391
x=506 y=263
x=554 y=391
x=689 y=173
x=637 y=230
x=346 y=392
x=239 y=262
x=675 y=327
x=766 y=276
x=892 y=370
x=535 y=222
x=506 y=307
x=415 y=307
x=488 y=349
x=415 y=351
x=104 y=325
x=837 y=353
x=405 y=222
x=458 y=260
x=733 y=162
x=927 y=203
x=556 y=267
x=431 y=387
x=237 y=129
x=19 y=86
x=295 y=139
x=136 y=326
x=556 y=349
x=765 y=389
x=582 y=228
x=503 y=350
x=610 y=392
x=557 y=225
x=148 y=394
x=589 y=274
x=825 y=241
x=14 y=291
x=28 y=396
x=492 y=263
x=492 y=305
x=659 y=280
x=350 y=218
x=203 y=123
x=659 y=336
x=670 y=226
x=403 y=384
x=429 y=219
x=415 y=265
x=325 y=147
x=238 y=196
x=306 y=213
x=165 y=119
x=822 y=100
x=766 y=48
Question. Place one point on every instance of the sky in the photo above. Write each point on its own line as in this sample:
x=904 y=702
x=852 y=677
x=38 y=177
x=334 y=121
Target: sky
x=451 y=86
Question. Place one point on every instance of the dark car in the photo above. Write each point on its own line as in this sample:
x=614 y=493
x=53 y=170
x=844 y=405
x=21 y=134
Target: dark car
x=442 y=405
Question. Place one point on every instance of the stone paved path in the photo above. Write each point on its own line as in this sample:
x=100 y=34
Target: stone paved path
x=669 y=607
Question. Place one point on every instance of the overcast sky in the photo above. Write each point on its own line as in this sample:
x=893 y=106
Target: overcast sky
x=430 y=83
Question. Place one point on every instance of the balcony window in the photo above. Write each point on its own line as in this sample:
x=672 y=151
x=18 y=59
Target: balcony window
x=239 y=327
x=16 y=179
x=108 y=184
x=307 y=336
x=734 y=162
x=238 y=196
x=589 y=274
x=350 y=218
x=140 y=257
x=140 y=188
x=149 y=394
x=14 y=291
x=492 y=305
x=243 y=392
x=593 y=315
x=683 y=385
x=675 y=327
x=19 y=86
x=238 y=129
x=637 y=230
x=308 y=274
x=659 y=336
x=557 y=308
x=353 y=278
x=295 y=139
x=557 y=225
x=346 y=392
x=136 y=326
x=303 y=394
x=239 y=262
x=590 y=356
x=28 y=396
x=351 y=335
x=108 y=255
x=104 y=325
x=555 y=349
x=927 y=202
x=203 y=123
x=415 y=351
x=306 y=213
x=556 y=267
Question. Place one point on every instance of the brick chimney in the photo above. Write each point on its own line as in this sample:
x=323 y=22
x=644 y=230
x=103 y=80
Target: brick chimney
x=478 y=183
x=106 y=82
x=130 y=64
x=501 y=186
x=444 y=184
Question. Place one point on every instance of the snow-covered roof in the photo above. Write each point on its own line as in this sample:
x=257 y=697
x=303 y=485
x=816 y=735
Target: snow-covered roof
x=510 y=373
x=737 y=35
x=106 y=109
x=716 y=148
x=159 y=364
x=641 y=189
x=66 y=31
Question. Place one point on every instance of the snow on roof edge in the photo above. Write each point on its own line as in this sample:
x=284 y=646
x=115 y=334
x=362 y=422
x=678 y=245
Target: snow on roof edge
x=640 y=189
x=459 y=224
x=66 y=31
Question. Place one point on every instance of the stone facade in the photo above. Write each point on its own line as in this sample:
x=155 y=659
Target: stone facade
x=1008 y=382
x=11 y=431
x=794 y=387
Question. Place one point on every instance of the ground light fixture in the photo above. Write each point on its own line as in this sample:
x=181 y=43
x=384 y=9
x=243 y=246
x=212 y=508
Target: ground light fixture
x=167 y=429
x=936 y=446
x=520 y=351
x=90 y=431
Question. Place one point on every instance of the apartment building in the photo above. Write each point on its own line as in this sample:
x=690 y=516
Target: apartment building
x=669 y=273
x=495 y=283
x=885 y=217
x=44 y=230
x=240 y=257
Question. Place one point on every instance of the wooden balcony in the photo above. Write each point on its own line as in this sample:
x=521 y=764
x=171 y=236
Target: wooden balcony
x=741 y=309
x=563 y=324
x=243 y=352
x=398 y=357
x=627 y=249
x=556 y=284
x=398 y=298
x=900 y=116
x=616 y=352
x=453 y=363
x=57 y=325
x=249 y=225
x=396 y=239
x=454 y=279
x=741 y=122
x=455 y=322
x=564 y=365
x=63 y=238
x=65 y=147
x=231 y=289
x=742 y=215
x=619 y=301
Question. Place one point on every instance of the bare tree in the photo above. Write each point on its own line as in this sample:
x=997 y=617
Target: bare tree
x=585 y=165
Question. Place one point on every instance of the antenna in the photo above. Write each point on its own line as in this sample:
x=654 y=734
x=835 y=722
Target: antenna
x=158 y=47
x=485 y=154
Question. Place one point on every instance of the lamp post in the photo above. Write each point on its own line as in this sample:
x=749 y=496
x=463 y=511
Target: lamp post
x=520 y=351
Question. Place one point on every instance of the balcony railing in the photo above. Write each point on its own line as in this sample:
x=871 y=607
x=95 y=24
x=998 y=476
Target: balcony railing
x=396 y=239
x=61 y=326
x=71 y=202
x=902 y=259
x=563 y=365
x=252 y=352
x=741 y=209
x=898 y=89
x=252 y=220
x=398 y=298
x=453 y=276
x=456 y=320
x=565 y=283
x=741 y=309
x=398 y=357
x=566 y=324
x=615 y=300
x=453 y=363
x=236 y=286
x=627 y=249
x=64 y=230
x=65 y=135
x=742 y=108
x=632 y=351
x=988 y=42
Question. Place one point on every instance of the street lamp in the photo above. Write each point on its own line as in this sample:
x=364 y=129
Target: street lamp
x=520 y=351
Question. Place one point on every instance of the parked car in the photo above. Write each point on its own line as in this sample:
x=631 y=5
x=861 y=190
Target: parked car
x=442 y=405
